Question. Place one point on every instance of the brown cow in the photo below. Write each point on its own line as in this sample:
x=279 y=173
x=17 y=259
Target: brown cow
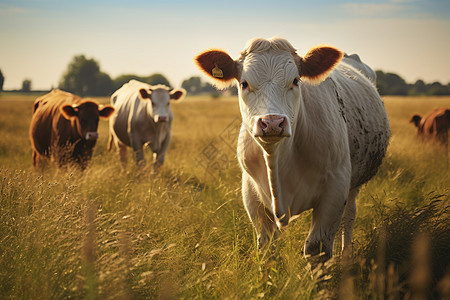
x=64 y=127
x=435 y=124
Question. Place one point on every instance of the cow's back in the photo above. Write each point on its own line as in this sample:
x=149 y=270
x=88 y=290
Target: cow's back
x=366 y=119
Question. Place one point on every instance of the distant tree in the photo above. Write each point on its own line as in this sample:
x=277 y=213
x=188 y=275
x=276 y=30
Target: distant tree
x=103 y=85
x=26 y=85
x=83 y=77
x=418 y=88
x=192 y=85
x=2 y=80
x=157 y=78
x=208 y=88
x=437 y=89
x=122 y=79
x=391 y=84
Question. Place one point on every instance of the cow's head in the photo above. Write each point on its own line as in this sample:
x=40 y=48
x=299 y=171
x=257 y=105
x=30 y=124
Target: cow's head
x=160 y=97
x=85 y=116
x=416 y=120
x=269 y=74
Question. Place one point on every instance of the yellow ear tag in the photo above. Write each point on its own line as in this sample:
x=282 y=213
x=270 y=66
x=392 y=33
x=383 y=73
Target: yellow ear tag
x=216 y=72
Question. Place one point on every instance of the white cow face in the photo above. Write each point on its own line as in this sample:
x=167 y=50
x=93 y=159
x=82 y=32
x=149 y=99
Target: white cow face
x=269 y=73
x=269 y=95
x=160 y=102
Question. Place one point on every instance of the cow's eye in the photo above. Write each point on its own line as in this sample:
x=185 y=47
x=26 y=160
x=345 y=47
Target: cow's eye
x=244 y=84
x=295 y=82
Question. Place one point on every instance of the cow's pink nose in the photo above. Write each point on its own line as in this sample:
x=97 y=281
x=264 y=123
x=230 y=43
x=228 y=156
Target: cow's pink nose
x=162 y=118
x=272 y=125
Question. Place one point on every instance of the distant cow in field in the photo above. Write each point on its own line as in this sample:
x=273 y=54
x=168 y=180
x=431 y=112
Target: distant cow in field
x=314 y=129
x=143 y=116
x=435 y=124
x=64 y=126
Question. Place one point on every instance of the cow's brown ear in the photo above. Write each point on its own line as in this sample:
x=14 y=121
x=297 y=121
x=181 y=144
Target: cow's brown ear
x=69 y=111
x=219 y=66
x=177 y=94
x=416 y=120
x=145 y=94
x=318 y=63
x=105 y=111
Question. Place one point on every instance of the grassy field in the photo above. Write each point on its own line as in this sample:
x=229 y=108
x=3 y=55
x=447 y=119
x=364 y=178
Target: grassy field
x=184 y=234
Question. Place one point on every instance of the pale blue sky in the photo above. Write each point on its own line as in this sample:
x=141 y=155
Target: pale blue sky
x=38 y=38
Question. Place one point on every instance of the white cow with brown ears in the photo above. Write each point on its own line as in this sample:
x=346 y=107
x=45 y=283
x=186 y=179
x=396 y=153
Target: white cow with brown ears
x=314 y=129
x=143 y=117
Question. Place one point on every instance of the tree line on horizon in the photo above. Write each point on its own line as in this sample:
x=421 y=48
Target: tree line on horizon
x=84 y=77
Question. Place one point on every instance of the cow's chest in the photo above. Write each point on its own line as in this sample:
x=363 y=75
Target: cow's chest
x=154 y=135
x=293 y=181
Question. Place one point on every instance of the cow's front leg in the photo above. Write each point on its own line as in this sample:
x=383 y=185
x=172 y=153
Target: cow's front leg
x=40 y=160
x=262 y=219
x=321 y=235
x=158 y=161
x=161 y=154
x=348 y=221
x=325 y=223
x=327 y=213
x=138 y=148
x=123 y=154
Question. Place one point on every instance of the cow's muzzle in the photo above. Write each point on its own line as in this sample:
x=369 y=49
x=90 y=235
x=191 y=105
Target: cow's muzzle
x=91 y=136
x=161 y=119
x=272 y=126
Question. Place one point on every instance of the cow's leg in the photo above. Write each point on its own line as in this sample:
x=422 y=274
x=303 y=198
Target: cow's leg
x=158 y=161
x=348 y=221
x=160 y=155
x=137 y=146
x=325 y=222
x=140 y=159
x=122 y=154
x=262 y=219
x=40 y=158
x=110 y=141
x=35 y=158
x=62 y=152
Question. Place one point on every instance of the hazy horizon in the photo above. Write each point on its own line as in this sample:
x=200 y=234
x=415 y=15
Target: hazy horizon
x=40 y=37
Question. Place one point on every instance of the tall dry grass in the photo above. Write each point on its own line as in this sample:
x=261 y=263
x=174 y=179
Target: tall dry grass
x=113 y=234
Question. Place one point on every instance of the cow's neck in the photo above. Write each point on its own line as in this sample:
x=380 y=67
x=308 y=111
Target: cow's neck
x=274 y=163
